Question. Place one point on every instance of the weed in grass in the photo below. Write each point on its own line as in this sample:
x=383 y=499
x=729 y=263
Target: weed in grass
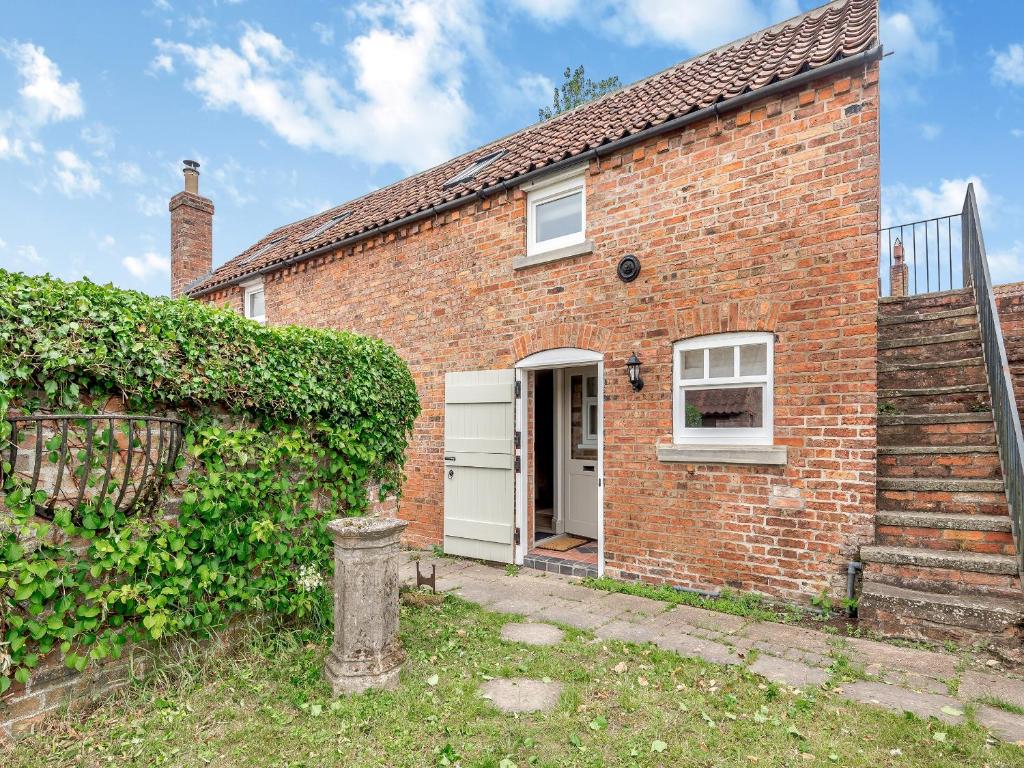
x=744 y=604
x=995 y=701
x=511 y=569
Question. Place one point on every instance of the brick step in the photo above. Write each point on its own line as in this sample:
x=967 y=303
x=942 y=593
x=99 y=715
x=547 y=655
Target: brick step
x=911 y=374
x=958 y=398
x=937 y=348
x=936 y=429
x=939 y=484
x=889 y=306
x=927 y=323
x=988 y=534
x=946 y=502
x=918 y=615
x=963 y=462
x=943 y=571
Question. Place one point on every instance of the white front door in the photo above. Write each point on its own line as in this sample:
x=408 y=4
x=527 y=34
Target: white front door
x=581 y=429
x=479 y=504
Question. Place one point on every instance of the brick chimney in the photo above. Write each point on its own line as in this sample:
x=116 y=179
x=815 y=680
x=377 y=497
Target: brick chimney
x=191 y=232
x=898 y=272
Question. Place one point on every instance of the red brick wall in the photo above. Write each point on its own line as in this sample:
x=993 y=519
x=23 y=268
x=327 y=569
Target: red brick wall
x=763 y=219
x=1010 y=304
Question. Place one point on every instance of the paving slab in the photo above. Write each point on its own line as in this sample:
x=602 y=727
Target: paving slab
x=901 y=700
x=531 y=633
x=723 y=623
x=1003 y=725
x=878 y=657
x=779 y=638
x=630 y=607
x=975 y=685
x=520 y=694
x=791 y=673
x=574 y=614
x=627 y=632
x=698 y=647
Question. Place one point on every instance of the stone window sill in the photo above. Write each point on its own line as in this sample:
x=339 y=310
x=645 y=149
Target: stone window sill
x=766 y=455
x=578 y=249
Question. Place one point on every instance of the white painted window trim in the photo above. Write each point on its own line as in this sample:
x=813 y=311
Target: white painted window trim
x=589 y=437
x=248 y=289
x=555 y=189
x=683 y=435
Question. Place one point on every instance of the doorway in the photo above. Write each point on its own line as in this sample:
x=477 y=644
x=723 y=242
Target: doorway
x=560 y=423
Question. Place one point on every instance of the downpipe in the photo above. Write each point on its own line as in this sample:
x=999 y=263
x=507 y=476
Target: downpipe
x=851 y=580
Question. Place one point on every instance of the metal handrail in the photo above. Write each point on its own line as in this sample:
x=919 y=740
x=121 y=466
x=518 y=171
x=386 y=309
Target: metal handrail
x=1000 y=382
x=928 y=248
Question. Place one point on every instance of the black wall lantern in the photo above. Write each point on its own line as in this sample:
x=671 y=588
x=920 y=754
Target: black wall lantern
x=633 y=369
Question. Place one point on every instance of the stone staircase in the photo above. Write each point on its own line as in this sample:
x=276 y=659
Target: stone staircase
x=942 y=566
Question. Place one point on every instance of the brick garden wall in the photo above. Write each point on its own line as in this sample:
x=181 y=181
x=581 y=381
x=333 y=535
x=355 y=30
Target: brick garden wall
x=763 y=219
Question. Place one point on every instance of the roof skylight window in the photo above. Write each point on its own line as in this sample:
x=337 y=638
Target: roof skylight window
x=262 y=250
x=325 y=226
x=468 y=173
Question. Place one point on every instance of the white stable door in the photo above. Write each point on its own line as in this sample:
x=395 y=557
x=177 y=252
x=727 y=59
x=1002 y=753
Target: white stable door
x=581 y=428
x=479 y=502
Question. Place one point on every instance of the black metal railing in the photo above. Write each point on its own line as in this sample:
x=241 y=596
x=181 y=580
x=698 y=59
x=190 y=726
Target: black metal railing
x=928 y=255
x=1000 y=382
x=68 y=461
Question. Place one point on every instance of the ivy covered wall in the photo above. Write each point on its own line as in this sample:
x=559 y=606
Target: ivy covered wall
x=284 y=429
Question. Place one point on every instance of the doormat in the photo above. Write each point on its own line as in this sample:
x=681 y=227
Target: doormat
x=561 y=543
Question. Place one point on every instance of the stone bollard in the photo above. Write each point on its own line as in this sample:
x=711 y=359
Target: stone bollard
x=366 y=652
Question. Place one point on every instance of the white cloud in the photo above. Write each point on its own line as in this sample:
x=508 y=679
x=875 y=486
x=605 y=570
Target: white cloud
x=930 y=131
x=151 y=205
x=27 y=255
x=101 y=137
x=534 y=88
x=406 y=105
x=324 y=32
x=694 y=26
x=915 y=35
x=3 y=244
x=1017 y=133
x=548 y=10
x=161 y=63
x=131 y=174
x=902 y=204
x=1008 y=65
x=48 y=98
x=74 y=176
x=106 y=242
x=1007 y=265
x=11 y=148
x=148 y=264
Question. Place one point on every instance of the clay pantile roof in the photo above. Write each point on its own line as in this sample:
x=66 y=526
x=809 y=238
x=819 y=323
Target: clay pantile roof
x=838 y=30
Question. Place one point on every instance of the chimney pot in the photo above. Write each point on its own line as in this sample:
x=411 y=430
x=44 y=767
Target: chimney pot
x=191 y=171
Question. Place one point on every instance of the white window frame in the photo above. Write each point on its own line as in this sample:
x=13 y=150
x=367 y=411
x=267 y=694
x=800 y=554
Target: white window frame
x=546 y=192
x=763 y=435
x=589 y=432
x=248 y=289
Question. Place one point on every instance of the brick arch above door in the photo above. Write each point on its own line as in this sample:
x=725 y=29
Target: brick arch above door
x=726 y=317
x=559 y=336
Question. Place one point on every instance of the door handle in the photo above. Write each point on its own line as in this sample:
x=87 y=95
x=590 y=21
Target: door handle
x=588 y=468
x=449 y=458
x=451 y=473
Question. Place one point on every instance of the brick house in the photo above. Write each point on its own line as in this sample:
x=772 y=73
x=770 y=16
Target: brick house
x=645 y=331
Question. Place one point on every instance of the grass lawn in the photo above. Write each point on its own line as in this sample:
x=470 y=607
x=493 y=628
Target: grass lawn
x=622 y=705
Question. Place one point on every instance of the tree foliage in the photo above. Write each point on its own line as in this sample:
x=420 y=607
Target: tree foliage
x=577 y=89
x=285 y=427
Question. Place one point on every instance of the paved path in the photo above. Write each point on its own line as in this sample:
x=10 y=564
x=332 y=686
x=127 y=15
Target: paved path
x=928 y=683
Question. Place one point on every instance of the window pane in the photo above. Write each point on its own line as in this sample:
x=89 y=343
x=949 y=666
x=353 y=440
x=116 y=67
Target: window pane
x=753 y=359
x=256 y=304
x=724 y=408
x=722 y=361
x=576 y=426
x=693 y=364
x=560 y=217
x=592 y=422
x=591 y=386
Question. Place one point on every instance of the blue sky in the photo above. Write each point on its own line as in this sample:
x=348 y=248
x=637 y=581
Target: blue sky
x=292 y=107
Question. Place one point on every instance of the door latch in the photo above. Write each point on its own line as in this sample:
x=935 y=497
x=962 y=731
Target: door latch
x=518 y=465
x=516 y=537
x=451 y=473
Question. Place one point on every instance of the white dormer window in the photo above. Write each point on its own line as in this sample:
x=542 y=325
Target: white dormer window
x=254 y=299
x=556 y=213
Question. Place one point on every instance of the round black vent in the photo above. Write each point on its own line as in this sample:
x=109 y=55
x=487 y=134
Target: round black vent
x=628 y=269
